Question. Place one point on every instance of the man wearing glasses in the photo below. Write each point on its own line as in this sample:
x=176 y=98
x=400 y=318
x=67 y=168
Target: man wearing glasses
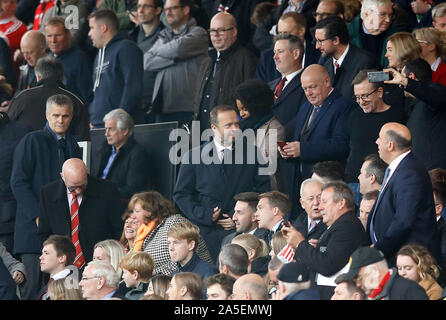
x=82 y=207
x=232 y=64
x=100 y=281
x=365 y=123
x=344 y=60
x=179 y=57
x=372 y=27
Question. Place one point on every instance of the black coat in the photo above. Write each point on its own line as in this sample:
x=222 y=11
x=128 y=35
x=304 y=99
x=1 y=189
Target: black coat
x=334 y=248
x=38 y=160
x=399 y=288
x=99 y=215
x=28 y=107
x=202 y=187
x=129 y=170
x=11 y=132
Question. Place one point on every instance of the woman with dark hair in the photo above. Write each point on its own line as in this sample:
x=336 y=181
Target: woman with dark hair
x=156 y=215
x=254 y=100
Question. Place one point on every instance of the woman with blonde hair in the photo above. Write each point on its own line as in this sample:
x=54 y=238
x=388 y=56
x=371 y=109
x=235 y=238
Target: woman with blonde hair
x=61 y=290
x=400 y=47
x=433 y=49
x=257 y=250
x=111 y=251
x=278 y=241
x=414 y=262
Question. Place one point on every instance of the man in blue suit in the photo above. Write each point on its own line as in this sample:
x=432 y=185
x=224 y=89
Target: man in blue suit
x=404 y=211
x=205 y=192
x=321 y=131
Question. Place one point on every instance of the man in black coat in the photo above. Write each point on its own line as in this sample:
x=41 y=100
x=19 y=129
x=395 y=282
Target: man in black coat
x=205 y=192
x=345 y=233
x=369 y=270
x=122 y=159
x=99 y=214
x=11 y=132
x=28 y=107
x=345 y=60
x=38 y=160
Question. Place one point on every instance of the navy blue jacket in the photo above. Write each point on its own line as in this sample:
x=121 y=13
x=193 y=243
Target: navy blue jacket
x=196 y=265
x=120 y=81
x=38 y=160
x=202 y=187
x=405 y=211
x=77 y=69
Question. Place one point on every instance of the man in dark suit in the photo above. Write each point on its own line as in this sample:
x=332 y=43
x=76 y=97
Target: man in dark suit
x=244 y=217
x=404 y=211
x=38 y=159
x=330 y=256
x=205 y=192
x=122 y=159
x=321 y=131
x=97 y=209
x=344 y=60
x=310 y=225
x=288 y=93
x=295 y=24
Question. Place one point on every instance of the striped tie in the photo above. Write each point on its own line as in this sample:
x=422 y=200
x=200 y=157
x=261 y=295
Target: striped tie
x=79 y=261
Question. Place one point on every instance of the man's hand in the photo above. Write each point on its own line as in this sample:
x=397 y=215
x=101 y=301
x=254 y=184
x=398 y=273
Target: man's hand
x=215 y=214
x=292 y=236
x=313 y=242
x=227 y=223
x=18 y=56
x=18 y=277
x=398 y=78
x=4 y=106
x=290 y=150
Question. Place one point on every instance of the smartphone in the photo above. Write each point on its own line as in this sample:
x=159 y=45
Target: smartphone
x=281 y=143
x=286 y=222
x=378 y=76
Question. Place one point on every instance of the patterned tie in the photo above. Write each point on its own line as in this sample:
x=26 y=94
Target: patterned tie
x=279 y=88
x=313 y=114
x=372 y=229
x=312 y=225
x=79 y=261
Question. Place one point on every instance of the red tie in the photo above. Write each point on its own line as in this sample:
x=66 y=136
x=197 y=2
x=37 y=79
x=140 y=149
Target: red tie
x=279 y=88
x=336 y=66
x=79 y=261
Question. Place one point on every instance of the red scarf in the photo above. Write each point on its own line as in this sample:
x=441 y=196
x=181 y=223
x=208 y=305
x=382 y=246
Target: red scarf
x=381 y=285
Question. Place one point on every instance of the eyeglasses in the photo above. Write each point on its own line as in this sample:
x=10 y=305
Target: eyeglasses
x=172 y=8
x=391 y=16
x=74 y=188
x=321 y=41
x=144 y=6
x=88 y=278
x=219 y=31
x=364 y=97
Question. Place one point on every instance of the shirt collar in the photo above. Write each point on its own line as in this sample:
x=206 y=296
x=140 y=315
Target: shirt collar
x=108 y=296
x=276 y=226
x=434 y=66
x=394 y=164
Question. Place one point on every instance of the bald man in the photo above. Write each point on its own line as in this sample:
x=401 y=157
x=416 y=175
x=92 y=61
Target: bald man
x=321 y=131
x=249 y=287
x=32 y=46
x=404 y=211
x=96 y=201
x=231 y=64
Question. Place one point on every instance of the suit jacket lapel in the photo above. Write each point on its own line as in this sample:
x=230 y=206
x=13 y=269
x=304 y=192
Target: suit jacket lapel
x=295 y=82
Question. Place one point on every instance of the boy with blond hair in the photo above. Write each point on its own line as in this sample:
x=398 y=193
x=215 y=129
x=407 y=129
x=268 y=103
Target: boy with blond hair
x=183 y=238
x=137 y=269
